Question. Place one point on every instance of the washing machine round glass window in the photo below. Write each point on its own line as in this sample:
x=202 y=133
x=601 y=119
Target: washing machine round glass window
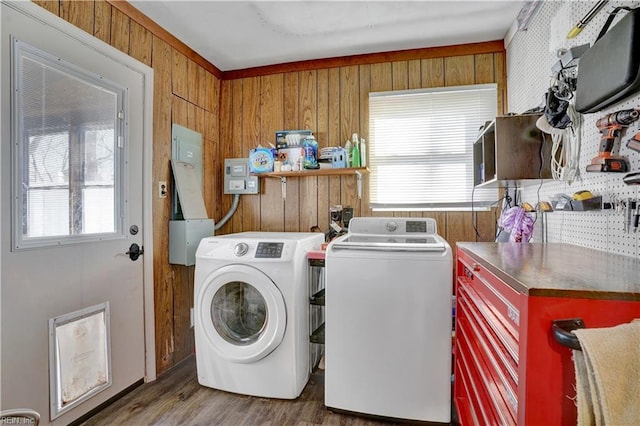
x=239 y=313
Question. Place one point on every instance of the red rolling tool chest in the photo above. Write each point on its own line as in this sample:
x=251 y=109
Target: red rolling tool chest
x=508 y=368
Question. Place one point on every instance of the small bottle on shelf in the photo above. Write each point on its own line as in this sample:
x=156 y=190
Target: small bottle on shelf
x=355 y=155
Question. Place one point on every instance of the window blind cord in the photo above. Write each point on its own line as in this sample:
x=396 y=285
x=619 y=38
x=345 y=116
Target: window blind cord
x=495 y=214
x=474 y=216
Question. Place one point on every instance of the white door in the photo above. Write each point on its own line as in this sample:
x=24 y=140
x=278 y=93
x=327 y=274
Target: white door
x=72 y=207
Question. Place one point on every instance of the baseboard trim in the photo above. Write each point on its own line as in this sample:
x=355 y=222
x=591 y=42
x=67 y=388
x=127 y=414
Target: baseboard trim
x=105 y=404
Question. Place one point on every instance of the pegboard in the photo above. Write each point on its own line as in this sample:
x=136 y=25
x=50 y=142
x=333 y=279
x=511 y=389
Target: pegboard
x=530 y=57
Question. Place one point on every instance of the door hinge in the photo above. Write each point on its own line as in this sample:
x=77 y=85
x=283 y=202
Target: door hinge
x=120 y=142
x=121 y=115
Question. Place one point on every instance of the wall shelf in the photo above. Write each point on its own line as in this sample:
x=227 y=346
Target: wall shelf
x=508 y=152
x=316 y=172
x=357 y=171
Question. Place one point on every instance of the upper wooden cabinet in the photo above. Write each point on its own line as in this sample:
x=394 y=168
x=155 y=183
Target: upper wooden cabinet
x=509 y=150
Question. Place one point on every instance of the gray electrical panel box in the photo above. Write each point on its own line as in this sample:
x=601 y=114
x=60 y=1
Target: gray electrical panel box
x=237 y=179
x=186 y=145
x=184 y=238
x=190 y=222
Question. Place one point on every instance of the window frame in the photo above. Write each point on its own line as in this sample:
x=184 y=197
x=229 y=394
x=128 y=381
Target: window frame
x=478 y=199
x=19 y=146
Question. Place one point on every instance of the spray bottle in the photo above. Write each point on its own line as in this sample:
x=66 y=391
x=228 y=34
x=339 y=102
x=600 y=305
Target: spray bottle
x=310 y=146
x=355 y=152
x=363 y=153
x=347 y=148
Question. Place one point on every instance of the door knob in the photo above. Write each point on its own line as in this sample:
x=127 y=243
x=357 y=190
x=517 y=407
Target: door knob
x=135 y=251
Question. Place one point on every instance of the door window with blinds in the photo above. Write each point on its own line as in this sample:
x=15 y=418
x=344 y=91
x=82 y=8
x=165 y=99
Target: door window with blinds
x=67 y=157
x=421 y=147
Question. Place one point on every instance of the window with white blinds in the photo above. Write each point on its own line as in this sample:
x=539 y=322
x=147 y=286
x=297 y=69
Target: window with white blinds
x=421 y=147
x=68 y=165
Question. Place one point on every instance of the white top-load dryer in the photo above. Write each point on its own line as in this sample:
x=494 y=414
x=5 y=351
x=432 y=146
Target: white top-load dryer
x=251 y=312
x=388 y=320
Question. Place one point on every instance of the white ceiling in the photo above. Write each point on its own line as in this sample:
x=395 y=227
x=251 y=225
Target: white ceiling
x=242 y=34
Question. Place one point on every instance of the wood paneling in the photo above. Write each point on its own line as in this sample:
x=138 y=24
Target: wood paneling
x=250 y=138
x=308 y=187
x=127 y=9
x=102 y=24
x=162 y=271
x=193 y=83
x=400 y=75
x=415 y=74
x=369 y=58
x=432 y=72
x=333 y=102
x=79 y=13
x=499 y=61
x=179 y=73
x=272 y=113
x=52 y=6
x=484 y=69
x=120 y=30
x=225 y=145
x=459 y=70
x=141 y=49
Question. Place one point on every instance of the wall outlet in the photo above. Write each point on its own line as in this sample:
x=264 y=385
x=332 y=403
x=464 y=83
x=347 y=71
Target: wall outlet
x=162 y=189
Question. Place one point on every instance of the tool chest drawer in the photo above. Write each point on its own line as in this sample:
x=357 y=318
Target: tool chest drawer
x=487 y=346
x=502 y=339
x=503 y=301
x=497 y=366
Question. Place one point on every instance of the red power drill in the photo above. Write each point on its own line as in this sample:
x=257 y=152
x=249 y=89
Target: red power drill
x=611 y=126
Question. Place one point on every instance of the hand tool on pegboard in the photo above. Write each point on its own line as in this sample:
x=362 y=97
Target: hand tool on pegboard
x=611 y=126
x=585 y=20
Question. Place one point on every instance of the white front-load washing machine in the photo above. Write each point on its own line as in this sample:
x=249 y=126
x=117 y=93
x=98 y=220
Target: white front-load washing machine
x=251 y=312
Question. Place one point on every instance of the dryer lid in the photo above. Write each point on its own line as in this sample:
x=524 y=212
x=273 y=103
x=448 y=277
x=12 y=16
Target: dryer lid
x=390 y=243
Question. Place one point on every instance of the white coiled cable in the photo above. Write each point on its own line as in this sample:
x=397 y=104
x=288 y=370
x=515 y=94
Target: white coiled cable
x=565 y=151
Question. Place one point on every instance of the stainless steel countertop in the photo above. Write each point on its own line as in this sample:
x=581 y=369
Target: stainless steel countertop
x=556 y=269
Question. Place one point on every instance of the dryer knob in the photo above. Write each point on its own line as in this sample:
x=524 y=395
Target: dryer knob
x=391 y=226
x=241 y=249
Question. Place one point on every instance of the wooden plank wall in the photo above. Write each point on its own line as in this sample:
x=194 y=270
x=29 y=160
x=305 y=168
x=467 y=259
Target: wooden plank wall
x=333 y=102
x=236 y=114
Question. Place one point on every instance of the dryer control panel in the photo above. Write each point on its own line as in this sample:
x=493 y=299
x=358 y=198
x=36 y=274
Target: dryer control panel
x=269 y=250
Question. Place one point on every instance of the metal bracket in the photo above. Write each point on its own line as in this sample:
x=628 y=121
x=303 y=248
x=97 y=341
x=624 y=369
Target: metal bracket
x=562 y=332
x=283 y=185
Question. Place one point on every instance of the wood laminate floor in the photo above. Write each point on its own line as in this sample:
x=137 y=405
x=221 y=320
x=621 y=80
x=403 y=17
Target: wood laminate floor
x=176 y=398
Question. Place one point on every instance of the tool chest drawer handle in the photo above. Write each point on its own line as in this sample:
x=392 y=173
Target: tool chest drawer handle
x=468 y=272
x=562 y=332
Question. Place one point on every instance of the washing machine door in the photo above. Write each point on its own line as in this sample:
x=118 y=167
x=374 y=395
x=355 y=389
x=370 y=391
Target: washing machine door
x=242 y=312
